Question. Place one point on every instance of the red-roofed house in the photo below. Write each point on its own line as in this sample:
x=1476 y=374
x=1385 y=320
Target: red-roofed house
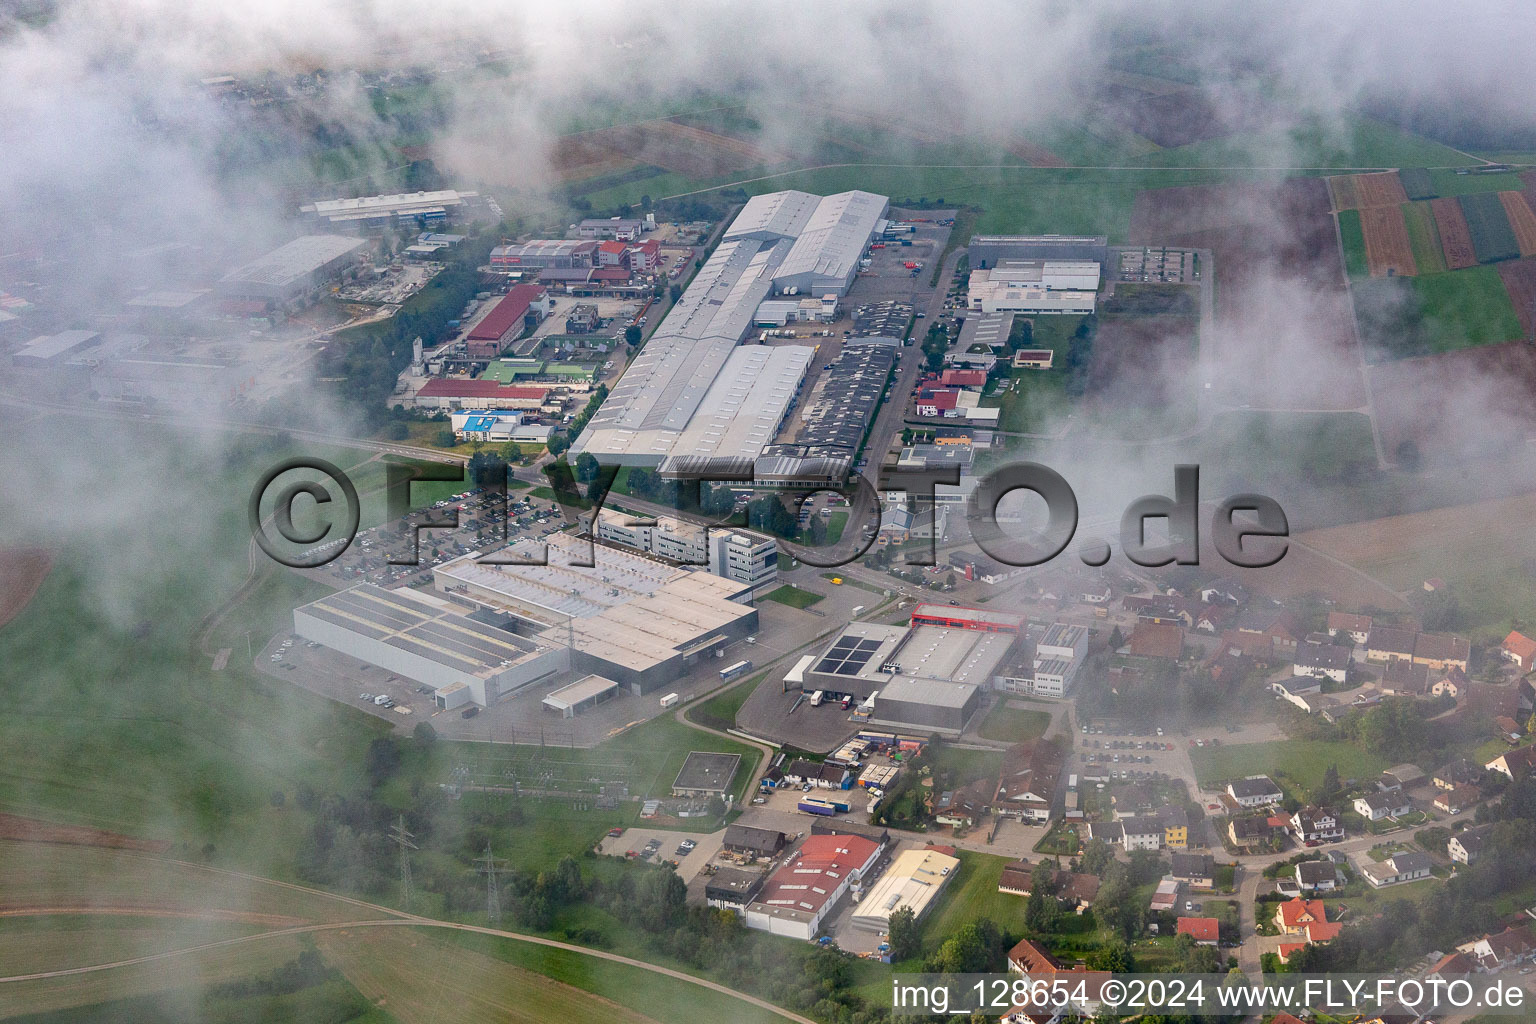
x=644 y=256
x=452 y=393
x=938 y=402
x=1206 y=930
x=1035 y=963
x=1516 y=764
x=1162 y=640
x=1295 y=914
x=1520 y=649
x=1285 y=951
x=798 y=897
x=1319 y=932
x=964 y=378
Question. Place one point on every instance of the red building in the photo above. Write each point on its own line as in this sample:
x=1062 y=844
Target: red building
x=981 y=620
x=506 y=322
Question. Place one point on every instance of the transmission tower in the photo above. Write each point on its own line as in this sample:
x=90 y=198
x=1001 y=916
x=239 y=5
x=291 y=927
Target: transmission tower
x=404 y=839
x=488 y=867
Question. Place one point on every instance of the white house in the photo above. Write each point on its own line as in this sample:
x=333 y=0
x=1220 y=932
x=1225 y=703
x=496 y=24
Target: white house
x=1400 y=867
x=1389 y=804
x=1255 y=791
x=1317 y=875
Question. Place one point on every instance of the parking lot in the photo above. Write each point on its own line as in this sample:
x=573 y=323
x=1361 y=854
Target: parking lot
x=689 y=862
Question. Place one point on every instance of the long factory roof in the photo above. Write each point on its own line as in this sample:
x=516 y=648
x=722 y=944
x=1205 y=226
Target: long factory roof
x=423 y=625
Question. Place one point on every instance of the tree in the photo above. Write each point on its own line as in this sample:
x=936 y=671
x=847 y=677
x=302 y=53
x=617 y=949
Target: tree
x=1331 y=789
x=903 y=935
x=632 y=335
x=487 y=469
x=511 y=452
x=676 y=292
x=587 y=467
x=424 y=734
x=715 y=806
x=1041 y=912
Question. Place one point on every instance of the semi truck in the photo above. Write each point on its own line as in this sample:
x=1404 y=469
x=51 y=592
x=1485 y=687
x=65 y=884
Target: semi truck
x=818 y=805
x=670 y=700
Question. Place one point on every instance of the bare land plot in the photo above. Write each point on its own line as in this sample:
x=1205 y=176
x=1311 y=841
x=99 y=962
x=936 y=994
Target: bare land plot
x=1388 y=249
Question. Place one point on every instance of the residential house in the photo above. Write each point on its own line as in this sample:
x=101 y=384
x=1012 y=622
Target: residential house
x=1466 y=847
x=1294 y=916
x=1205 y=930
x=1386 y=643
x=1223 y=591
x=956 y=809
x=1142 y=833
x=817 y=773
x=1453 y=683
x=1460 y=772
x=1453 y=965
x=1159 y=610
x=1317 y=876
x=1107 y=832
x=1401 y=776
x=1441 y=651
x=1195 y=869
x=1255 y=791
x=1161 y=641
x=1520 y=649
x=1316 y=825
x=1252 y=828
x=1454 y=801
x=1516 y=764
x=1026 y=785
x=1513 y=945
x=1212 y=619
x=1074 y=888
x=1347 y=624
x=758 y=842
x=1273 y=624
x=1406 y=866
x=1036 y=963
x=1175 y=822
x=1404 y=679
x=1376 y=806
x=1322 y=661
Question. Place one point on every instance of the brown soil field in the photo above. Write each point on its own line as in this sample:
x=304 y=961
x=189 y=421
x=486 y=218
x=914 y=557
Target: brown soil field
x=22 y=571
x=1037 y=156
x=30 y=830
x=1284 y=328
x=1383 y=188
x=685 y=149
x=1522 y=219
x=1425 y=400
x=1455 y=238
x=1387 y=248
x=1342 y=191
x=1519 y=278
x=155 y=910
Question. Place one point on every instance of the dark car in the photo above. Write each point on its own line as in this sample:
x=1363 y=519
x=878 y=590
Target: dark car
x=469 y=712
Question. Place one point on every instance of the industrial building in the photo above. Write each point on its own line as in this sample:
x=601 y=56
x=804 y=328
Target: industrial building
x=692 y=392
x=463 y=393
x=520 y=309
x=572 y=699
x=626 y=617
x=881 y=322
x=1035 y=286
x=53 y=349
x=987 y=251
x=380 y=211
x=733 y=889
x=429 y=639
x=294 y=271
x=498 y=425
x=1058 y=654
x=801 y=894
x=705 y=773
x=836 y=416
x=624 y=229
x=913 y=881
x=920 y=676
x=740 y=555
x=543 y=253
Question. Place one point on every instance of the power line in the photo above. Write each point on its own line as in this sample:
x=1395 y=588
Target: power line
x=488 y=867
x=404 y=839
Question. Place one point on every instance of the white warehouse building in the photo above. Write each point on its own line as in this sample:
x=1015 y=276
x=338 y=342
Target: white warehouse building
x=1035 y=286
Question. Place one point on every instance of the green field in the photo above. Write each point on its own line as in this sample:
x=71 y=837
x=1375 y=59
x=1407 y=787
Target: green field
x=1290 y=762
x=1492 y=236
x=1405 y=317
x=1014 y=724
x=836 y=523
x=719 y=711
x=1317 y=447
x=1353 y=238
x=795 y=597
x=1417 y=182
x=973 y=895
x=1447 y=182
x=1428 y=256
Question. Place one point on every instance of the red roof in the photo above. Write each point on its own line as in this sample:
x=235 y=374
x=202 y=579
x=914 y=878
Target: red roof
x=939 y=399
x=1204 y=929
x=963 y=378
x=610 y=274
x=1297 y=912
x=1286 y=949
x=1520 y=645
x=443 y=387
x=1157 y=640
x=650 y=246
x=807 y=881
x=1323 y=931
x=616 y=248
x=509 y=313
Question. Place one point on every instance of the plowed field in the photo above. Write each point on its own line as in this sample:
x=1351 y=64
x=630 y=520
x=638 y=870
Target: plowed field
x=1387 y=246
x=1455 y=238
x=1522 y=220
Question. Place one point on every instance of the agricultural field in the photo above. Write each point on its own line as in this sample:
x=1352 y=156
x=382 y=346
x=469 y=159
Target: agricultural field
x=1273 y=243
x=1318 y=448
x=1492 y=237
x=1448 y=183
x=1142 y=373
x=1424 y=238
x=1342 y=192
x=1433 y=313
x=1352 y=237
x=21 y=573
x=1363 y=191
x=1462 y=543
x=1455 y=237
x=1521 y=220
x=1388 y=250
x=1417 y=183
x=1519 y=277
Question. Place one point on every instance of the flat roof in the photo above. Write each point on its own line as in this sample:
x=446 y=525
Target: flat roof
x=48 y=346
x=987 y=615
x=707 y=770
x=291 y=261
x=582 y=690
x=984 y=329
x=424 y=625
x=363 y=207
x=912 y=880
x=933 y=692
